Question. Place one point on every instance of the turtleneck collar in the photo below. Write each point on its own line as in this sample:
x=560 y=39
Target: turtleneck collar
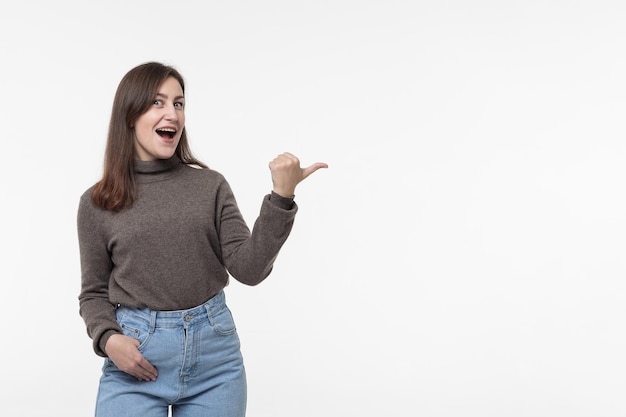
x=156 y=166
x=157 y=170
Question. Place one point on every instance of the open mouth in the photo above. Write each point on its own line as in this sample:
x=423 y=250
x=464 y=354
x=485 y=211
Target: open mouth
x=166 y=132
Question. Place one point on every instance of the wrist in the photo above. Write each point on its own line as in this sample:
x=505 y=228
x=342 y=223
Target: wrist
x=284 y=194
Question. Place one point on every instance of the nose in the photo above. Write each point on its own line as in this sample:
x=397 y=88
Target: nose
x=170 y=113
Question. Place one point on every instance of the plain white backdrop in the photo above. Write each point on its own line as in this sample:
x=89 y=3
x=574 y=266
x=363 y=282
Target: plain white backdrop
x=463 y=254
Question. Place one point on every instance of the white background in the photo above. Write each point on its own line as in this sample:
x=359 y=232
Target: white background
x=463 y=255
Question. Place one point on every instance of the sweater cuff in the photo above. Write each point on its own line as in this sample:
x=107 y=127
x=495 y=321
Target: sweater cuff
x=285 y=203
x=103 y=341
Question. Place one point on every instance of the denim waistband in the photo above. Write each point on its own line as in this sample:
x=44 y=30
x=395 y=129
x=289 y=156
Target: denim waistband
x=177 y=318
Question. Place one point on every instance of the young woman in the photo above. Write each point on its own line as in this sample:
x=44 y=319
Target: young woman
x=159 y=236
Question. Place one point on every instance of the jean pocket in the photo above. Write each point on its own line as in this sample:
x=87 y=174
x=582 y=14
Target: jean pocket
x=137 y=329
x=223 y=322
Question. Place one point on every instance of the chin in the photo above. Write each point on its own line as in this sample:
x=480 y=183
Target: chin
x=166 y=154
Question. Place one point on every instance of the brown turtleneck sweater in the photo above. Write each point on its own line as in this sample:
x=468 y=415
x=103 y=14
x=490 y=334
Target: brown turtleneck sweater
x=175 y=247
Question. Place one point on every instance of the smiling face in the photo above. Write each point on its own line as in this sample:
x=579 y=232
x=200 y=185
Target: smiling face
x=158 y=130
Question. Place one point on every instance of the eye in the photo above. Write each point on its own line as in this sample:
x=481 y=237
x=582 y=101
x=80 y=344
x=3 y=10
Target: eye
x=158 y=102
x=179 y=104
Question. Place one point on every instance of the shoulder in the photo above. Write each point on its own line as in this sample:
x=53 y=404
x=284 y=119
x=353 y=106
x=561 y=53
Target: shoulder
x=203 y=173
x=85 y=197
x=207 y=181
x=88 y=214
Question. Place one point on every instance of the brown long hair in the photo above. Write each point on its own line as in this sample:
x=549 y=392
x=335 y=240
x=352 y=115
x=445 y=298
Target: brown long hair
x=135 y=94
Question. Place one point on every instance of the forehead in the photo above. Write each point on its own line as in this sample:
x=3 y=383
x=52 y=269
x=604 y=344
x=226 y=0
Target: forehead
x=171 y=86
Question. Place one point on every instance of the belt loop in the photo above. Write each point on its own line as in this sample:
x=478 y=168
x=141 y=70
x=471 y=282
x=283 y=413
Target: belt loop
x=207 y=307
x=153 y=317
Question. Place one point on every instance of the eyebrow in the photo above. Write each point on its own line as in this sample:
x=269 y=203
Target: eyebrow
x=165 y=96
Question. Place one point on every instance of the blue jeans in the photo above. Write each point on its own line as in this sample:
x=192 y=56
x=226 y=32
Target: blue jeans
x=198 y=358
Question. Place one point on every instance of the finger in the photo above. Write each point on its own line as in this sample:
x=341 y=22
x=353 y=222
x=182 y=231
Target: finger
x=311 y=169
x=148 y=370
x=284 y=160
x=144 y=375
x=148 y=367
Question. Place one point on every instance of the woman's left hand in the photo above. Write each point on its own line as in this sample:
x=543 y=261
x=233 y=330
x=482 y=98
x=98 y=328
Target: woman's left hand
x=287 y=173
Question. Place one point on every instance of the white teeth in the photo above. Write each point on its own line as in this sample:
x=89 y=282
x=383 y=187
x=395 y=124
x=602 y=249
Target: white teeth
x=167 y=129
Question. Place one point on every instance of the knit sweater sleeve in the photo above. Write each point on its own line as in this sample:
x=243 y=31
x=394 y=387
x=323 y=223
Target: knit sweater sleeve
x=249 y=256
x=94 y=305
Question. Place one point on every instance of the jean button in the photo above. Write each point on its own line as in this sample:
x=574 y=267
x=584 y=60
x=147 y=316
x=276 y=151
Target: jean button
x=187 y=317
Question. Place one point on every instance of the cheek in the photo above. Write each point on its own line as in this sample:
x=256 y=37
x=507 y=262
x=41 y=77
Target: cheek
x=139 y=136
x=142 y=130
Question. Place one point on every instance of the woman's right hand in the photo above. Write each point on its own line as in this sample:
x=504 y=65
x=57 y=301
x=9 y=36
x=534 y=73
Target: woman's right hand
x=122 y=350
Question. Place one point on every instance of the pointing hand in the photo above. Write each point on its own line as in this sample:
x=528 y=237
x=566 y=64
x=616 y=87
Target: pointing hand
x=287 y=173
